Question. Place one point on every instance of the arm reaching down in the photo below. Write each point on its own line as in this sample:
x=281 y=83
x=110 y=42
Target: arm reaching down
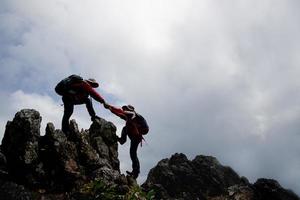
x=94 y=93
x=118 y=111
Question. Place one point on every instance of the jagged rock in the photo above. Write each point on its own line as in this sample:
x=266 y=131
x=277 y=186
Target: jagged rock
x=182 y=178
x=20 y=145
x=104 y=140
x=56 y=162
x=269 y=189
x=3 y=166
x=3 y=161
x=212 y=176
x=107 y=175
x=58 y=158
x=262 y=189
x=13 y=191
x=243 y=192
x=205 y=178
x=60 y=167
x=106 y=130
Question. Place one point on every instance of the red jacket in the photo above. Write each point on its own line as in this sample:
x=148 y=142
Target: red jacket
x=130 y=126
x=120 y=112
x=82 y=91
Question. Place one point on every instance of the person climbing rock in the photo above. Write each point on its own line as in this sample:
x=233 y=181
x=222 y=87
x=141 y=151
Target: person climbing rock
x=136 y=126
x=75 y=91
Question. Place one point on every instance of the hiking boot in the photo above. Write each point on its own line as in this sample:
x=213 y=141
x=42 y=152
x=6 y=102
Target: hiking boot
x=132 y=174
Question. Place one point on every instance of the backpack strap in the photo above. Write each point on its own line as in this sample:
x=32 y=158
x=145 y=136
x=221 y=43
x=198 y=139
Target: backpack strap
x=142 y=141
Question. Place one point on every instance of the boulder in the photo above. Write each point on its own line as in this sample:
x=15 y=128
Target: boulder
x=103 y=139
x=20 y=145
x=204 y=178
x=271 y=189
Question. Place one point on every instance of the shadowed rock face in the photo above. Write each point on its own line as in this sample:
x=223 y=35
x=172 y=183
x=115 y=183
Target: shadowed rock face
x=20 y=144
x=205 y=178
x=56 y=166
x=271 y=189
x=56 y=163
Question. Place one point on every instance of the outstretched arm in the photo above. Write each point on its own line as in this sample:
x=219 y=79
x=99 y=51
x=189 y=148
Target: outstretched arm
x=117 y=111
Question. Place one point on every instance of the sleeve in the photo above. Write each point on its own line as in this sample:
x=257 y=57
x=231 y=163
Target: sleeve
x=92 y=92
x=119 y=112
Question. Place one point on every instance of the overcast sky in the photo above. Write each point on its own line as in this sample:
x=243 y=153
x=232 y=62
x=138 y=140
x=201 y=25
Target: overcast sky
x=212 y=77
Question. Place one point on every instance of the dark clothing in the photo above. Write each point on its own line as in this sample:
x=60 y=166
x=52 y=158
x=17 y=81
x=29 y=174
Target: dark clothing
x=131 y=127
x=134 y=158
x=134 y=144
x=130 y=130
x=68 y=111
x=79 y=94
x=80 y=91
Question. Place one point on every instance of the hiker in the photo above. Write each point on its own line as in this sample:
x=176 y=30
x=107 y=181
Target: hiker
x=136 y=126
x=75 y=91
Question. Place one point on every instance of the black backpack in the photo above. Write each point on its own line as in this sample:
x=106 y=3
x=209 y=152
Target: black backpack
x=141 y=124
x=63 y=87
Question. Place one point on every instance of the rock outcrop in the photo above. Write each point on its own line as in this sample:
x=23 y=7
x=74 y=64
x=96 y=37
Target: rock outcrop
x=204 y=178
x=37 y=167
x=84 y=165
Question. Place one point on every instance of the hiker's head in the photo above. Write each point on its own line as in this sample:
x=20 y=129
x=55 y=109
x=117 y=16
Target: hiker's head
x=92 y=82
x=128 y=108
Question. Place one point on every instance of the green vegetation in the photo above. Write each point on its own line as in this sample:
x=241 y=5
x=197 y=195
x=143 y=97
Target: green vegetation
x=99 y=190
x=136 y=193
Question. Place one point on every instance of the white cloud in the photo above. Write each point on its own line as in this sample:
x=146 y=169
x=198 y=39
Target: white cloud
x=50 y=110
x=211 y=77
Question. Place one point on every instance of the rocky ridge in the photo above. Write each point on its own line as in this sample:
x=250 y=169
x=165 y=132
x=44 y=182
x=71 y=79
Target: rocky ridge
x=85 y=165
x=204 y=178
x=34 y=166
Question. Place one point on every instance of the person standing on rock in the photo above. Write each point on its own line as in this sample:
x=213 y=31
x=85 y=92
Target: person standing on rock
x=136 y=126
x=75 y=91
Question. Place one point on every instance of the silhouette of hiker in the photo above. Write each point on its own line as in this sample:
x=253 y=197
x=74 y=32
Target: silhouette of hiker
x=136 y=126
x=75 y=91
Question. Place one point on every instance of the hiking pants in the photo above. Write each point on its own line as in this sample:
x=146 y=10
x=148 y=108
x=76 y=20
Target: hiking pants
x=68 y=111
x=133 y=151
x=133 y=155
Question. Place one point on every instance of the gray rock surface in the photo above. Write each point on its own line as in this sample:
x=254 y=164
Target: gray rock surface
x=20 y=145
x=205 y=178
x=271 y=189
x=60 y=167
x=55 y=163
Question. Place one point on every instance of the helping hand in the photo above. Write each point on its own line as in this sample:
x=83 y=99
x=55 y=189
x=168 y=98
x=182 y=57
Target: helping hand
x=106 y=105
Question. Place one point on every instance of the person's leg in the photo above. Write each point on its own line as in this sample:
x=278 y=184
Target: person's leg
x=68 y=111
x=133 y=155
x=123 y=137
x=89 y=107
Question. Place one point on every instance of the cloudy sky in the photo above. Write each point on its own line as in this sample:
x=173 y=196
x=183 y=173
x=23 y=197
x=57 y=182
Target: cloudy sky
x=212 y=77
